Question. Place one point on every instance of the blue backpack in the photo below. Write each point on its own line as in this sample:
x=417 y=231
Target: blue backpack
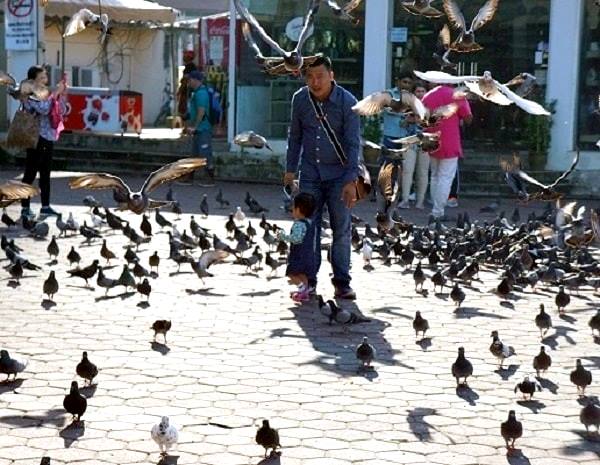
x=215 y=111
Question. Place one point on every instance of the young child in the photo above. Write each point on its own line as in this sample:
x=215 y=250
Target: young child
x=301 y=259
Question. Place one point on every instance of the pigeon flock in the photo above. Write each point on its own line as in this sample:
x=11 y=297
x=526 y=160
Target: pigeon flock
x=550 y=256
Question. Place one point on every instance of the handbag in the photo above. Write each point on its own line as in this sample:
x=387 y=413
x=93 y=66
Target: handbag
x=24 y=130
x=363 y=182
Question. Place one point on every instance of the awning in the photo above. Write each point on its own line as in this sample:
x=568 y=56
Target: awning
x=121 y=11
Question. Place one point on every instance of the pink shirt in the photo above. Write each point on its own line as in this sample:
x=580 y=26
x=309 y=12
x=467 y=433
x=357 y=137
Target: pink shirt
x=450 y=145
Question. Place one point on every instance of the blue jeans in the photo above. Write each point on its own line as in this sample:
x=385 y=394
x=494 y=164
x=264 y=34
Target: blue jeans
x=330 y=193
x=202 y=147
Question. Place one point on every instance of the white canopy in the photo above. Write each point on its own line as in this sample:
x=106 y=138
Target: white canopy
x=121 y=11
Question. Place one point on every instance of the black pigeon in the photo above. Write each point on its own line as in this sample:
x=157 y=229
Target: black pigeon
x=106 y=253
x=594 y=322
x=267 y=437
x=204 y=205
x=52 y=248
x=176 y=208
x=50 y=285
x=562 y=299
x=220 y=200
x=161 y=220
x=7 y=220
x=73 y=257
x=542 y=361
x=438 y=280
x=528 y=387
x=105 y=282
x=145 y=226
x=16 y=271
x=590 y=416
x=89 y=233
x=113 y=221
x=144 y=288
x=420 y=325
x=457 y=295
x=581 y=377
x=74 y=403
x=154 y=261
x=250 y=231
x=462 y=368
x=272 y=263
x=130 y=256
x=85 y=273
x=365 y=352
x=504 y=288
x=543 y=321
x=511 y=430
x=45 y=461
x=230 y=225
x=86 y=369
x=139 y=271
x=253 y=205
x=161 y=327
x=126 y=279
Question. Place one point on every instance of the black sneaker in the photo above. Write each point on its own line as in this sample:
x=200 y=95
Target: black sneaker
x=48 y=211
x=346 y=293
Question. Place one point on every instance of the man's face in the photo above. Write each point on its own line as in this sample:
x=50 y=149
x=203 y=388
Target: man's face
x=405 y=83
x=318 y=80
x=194 y=83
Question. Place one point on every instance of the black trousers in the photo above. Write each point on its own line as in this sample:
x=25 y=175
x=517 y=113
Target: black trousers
x=455 y=183
x=39 y=160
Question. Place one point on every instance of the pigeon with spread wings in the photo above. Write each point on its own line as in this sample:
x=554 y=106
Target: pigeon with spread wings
x=82 y=19
x=487 y=88
x=138 y=202
x=25 y=89
x=343 y=12
x=442 y=51
x=378 y=101
x=466 y=40
x=514 y=175
x=251 y=139
x=271 y=65
x=293 y=60
x=12 y=191
x=421 y=8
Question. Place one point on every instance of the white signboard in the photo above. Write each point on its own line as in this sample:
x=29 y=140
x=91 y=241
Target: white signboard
x=20 y=24
x=294 y=28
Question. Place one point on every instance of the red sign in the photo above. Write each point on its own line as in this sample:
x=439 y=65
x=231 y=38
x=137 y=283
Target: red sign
x=214 y=41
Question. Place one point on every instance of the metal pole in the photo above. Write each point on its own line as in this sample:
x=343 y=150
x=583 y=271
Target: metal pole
x=62 y=47
x=174 y=68
x=231 y=99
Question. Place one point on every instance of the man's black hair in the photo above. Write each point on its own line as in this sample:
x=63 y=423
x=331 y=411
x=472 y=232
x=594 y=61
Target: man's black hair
x=33 y=72
x=322 y=60
x=306 y=203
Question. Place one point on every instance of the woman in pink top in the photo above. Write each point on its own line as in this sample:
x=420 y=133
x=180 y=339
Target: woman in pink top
x=444 y=160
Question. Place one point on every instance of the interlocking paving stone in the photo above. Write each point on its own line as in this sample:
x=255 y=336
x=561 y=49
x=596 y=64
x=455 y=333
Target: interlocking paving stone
x=240 y=350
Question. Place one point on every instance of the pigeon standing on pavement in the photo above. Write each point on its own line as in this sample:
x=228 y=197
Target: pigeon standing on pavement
x=542 y=361
x=528 y=387
x=161 y=327
x=562 y=299
x=594 y=322
x=581 y=377
x=52 y=248
x=50 y=286
x=86 y=273
x=457 y=295
x=461 y=368
x=267 y=437
x=204 y=206
x=73 y=256
x=590 y=416
x=500 y=350
x=221 y=200
x=420 y=325
x=74 y=403
x=511 y=430
x=366 y=353
x=165 y=435
x=86 y=369
x=144 y=288
x=11 y=366
x=543 y=321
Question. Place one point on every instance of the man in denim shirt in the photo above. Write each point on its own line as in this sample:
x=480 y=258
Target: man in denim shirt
x=322 y=174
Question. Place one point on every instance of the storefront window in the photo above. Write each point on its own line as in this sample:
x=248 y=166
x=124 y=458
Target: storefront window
x=589 y=84
x=262 y=101
x=515 y=41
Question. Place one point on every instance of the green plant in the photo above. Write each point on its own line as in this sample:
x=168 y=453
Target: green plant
x=371 y=128
x=537 y=132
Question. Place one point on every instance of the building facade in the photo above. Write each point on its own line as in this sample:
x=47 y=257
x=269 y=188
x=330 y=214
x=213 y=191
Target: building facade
x=558 y=41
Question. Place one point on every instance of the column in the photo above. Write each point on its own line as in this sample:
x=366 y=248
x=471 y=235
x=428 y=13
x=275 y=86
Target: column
x=376 y=71
x=231 y=72
x=563 y=78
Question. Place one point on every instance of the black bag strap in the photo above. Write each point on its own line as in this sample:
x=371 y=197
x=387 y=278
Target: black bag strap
x=322 y=118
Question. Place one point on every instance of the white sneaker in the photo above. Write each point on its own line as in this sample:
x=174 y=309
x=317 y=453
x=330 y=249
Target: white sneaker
x=412 y=197
x=404 y=204
x=452 y=202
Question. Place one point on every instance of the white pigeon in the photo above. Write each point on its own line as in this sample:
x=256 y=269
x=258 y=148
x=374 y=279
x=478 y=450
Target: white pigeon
x=239 y=215
x=165 y=435
x=175 y=231
x=367 y=252
x=487 y=88
x=82 y=19
x=96 y=221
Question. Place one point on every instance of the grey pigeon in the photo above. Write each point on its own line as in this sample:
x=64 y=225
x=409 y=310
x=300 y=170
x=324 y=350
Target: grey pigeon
x=461 y=368
x=11 y=366
x=40 y=230
x=542 y=361
x=500 y=350
x=419 y=276
x=204 y=205
x=50 y=285
x=126 y=279
x=366 y=353
x=543 y=321
x=562 y=299
x=581 y=377
x=590 y=416
x=457 y=295
x=105 y=282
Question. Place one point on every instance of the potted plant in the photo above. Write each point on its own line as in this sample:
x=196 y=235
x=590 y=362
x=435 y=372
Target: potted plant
x=371 y=131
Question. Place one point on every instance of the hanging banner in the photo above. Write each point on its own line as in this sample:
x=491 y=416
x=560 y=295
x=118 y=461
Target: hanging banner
x=20 y=24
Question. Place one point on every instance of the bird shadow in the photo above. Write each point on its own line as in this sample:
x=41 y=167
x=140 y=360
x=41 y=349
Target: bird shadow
x=369 y=373
x=47 y=304
x=10 y=386
x=507 y=304
x=270 y=278
x=552 y=340
x=52 y=262
x=272 y=459
x=72 y=433
x=547 y=384
x=583 y=401
x=466 y=393
x=176 y=273
x=417 y=424
x=206 y=292
x=534 y=405
x=259 y=293
x=13 y=284
x=168 y=460
x=390 y=311
x=107 y=297
x=159 y=347
x=424 y=343
x=143 y=304
x=88 y=391
x=516 y=457
x=471 y=312
x=567 y=318
x=126 y=295
x=54 y=417
x=506 y=373
x=583 y=444
x=594 y=359
x=87 y=288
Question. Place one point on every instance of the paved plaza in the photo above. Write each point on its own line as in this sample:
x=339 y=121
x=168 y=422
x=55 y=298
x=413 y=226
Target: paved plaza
x=240 y=350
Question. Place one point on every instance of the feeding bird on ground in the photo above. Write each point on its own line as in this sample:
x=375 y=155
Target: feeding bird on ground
x=165 y=435
x=11 y=366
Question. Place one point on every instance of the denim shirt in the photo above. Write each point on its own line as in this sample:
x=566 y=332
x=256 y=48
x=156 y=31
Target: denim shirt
x=309 y=148
x=394 y=124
